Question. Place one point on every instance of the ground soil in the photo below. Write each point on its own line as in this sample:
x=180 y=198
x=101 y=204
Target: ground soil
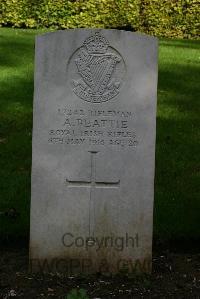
x=175 y=275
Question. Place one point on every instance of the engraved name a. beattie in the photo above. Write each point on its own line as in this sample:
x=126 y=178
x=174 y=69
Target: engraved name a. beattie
x=99 y=70
x=80 y=126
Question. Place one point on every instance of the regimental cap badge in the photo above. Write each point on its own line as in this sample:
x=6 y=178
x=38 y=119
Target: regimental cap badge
x=98 y=70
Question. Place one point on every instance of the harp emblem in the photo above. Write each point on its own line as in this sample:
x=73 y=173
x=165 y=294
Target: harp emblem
x=99 y=70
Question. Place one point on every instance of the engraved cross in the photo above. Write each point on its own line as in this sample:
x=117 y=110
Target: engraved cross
x=92 y=183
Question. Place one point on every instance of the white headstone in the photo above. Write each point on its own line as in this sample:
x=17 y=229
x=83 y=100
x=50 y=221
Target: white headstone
x=94 y=129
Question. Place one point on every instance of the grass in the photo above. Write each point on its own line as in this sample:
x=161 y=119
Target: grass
x=177 y=184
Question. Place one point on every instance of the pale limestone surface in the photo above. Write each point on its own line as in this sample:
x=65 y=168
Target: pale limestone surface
x=94 y=129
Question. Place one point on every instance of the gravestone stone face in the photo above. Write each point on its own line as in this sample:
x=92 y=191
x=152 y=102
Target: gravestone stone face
x=94 y=130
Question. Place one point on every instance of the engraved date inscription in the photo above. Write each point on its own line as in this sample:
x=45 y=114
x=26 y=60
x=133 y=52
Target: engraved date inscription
x=102 y=128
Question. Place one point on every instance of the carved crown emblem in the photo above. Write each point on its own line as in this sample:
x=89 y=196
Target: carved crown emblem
x=96 y=44
x=99 y=70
